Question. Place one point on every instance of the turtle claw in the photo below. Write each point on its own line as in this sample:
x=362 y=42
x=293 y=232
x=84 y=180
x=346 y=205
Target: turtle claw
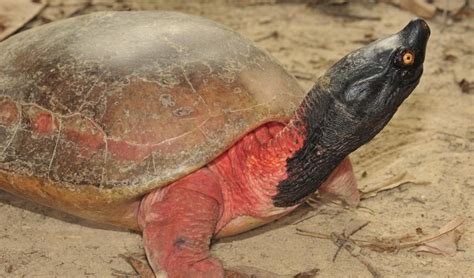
x=140 y=266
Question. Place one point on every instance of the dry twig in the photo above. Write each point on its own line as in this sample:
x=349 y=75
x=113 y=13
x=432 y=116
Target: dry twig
x=389 y=184
x=394 y=244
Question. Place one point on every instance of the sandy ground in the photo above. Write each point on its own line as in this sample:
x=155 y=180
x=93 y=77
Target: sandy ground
x=430 y=139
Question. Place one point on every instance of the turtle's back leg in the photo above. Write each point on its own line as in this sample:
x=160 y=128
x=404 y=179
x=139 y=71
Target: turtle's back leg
x=178 y=222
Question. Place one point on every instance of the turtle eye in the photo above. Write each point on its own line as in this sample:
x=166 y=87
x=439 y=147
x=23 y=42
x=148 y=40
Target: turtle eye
x=404 y=58
x=407 y=58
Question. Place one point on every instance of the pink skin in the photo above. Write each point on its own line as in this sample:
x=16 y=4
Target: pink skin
x=178 y=221
x=341 y=184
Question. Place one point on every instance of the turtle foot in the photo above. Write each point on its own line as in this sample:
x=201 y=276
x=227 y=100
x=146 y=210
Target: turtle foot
x=341 y=185
x=140 y=265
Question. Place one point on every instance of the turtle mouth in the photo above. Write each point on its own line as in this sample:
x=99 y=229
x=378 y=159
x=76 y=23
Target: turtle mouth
x=405 y=90
x=415 y=78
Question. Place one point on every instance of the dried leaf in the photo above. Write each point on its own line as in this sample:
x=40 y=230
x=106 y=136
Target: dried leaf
x=444 y=245
x=453 y=224
x=452 y=6
x=445 y=241
x=371 y=190
x=59 y=9
x=14 y=14
x=419 y=7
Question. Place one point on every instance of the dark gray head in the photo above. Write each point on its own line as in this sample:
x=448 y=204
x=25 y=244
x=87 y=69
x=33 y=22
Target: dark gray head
x=358 y=95
x=374 y=80
x=350 y=104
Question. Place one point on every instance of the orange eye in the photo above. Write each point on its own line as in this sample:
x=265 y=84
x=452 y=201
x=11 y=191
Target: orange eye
x=408 y=58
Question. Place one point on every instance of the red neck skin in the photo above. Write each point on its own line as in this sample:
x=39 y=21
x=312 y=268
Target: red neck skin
x=250 y=171
x=274 y=168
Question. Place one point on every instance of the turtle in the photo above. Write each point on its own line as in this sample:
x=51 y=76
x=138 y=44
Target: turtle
x=180 y=128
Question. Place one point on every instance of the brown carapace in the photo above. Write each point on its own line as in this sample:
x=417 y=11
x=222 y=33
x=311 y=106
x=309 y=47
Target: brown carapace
x=98 y=110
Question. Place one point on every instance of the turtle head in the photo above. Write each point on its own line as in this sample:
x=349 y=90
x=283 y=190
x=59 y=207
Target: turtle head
x=371 y=82
x=350 y=104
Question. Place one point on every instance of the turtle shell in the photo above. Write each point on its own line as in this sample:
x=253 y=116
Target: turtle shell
x=97 y=110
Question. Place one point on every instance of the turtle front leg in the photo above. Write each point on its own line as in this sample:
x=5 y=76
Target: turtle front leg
x=178 y=223
x=342 y=184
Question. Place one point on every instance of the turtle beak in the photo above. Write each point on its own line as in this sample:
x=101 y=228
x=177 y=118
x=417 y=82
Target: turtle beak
x=415 y=36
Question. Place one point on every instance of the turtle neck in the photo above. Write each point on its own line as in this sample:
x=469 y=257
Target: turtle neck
x=326 y=130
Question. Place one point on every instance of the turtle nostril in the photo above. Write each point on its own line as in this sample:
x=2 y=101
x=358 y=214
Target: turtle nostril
x=425 y=27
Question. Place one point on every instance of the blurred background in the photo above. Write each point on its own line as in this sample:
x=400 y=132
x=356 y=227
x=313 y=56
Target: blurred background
x=417 y=176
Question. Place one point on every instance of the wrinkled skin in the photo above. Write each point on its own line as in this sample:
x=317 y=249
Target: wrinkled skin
x=268 y=164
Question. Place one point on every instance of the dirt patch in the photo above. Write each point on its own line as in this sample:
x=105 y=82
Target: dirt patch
x=430 y=139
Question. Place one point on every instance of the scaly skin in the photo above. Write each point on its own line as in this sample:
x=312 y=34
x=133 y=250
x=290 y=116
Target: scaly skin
x=231 y=195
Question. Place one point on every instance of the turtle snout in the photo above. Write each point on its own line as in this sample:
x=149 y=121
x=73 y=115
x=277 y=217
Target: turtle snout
x=415 y=38
x=416 y=33
x=417 y=28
